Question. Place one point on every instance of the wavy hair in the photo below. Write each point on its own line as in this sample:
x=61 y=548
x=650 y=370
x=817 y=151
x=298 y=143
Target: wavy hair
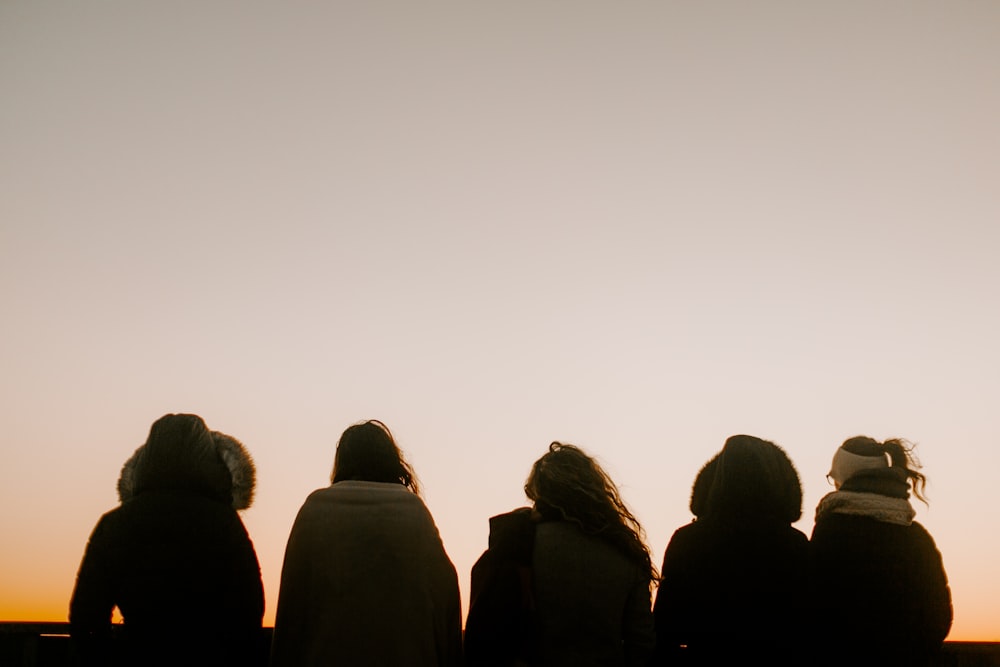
x=568 y=485
x=901 y=457
x=367 y=452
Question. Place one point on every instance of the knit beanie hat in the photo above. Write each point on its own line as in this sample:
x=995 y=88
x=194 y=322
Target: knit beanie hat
x=846 y=463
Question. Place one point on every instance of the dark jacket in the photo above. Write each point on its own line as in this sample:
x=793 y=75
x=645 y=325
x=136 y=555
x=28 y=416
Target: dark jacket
x=500 y=628
x=878 y=587
x=733 y=581
x=587 y=603
x=731 y=593
x=174 y=558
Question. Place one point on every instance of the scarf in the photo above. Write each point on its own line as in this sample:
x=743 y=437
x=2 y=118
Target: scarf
x=898 y=511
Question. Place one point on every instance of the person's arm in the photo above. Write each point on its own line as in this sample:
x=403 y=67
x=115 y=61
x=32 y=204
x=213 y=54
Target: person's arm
x=93 y=598
x=638 y=634
x=673 y=597
x=289 y=639
x=451 y=652
x=252 y=591
x=248 y=599
x=937 y=605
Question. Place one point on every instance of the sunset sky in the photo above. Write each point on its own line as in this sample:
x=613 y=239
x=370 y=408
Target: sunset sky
x=635 y=227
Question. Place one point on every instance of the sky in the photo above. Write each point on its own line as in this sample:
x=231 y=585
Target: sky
x=635 y=227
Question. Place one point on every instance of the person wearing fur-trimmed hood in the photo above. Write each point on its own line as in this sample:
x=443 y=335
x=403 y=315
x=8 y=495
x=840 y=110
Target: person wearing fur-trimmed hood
x=878 y=587
x=732 y=581
x=174 y=556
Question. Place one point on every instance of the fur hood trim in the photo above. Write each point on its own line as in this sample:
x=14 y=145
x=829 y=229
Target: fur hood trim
x=241 y=468
x=231 y=451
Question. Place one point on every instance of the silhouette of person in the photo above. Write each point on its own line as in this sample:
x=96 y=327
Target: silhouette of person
x=366 y=580
x=732 y=586
x=566 y=582
x=174 y=556
x=878 y=587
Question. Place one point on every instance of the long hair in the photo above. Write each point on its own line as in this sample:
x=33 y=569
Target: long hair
x=901 y=456
x=754 y=479
x=567 y=485
x=367 y=452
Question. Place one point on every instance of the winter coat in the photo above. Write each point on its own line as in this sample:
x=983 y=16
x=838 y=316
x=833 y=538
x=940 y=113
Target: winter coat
x=500 y=628
x=732 y=588
x=731 y=594
x=366 y=581
x=587 y=603
x=174 y=558
x=593 y=602
x=878 y=587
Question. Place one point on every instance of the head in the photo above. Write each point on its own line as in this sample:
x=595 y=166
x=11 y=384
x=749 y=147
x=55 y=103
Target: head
x=179 y=454
x=367 y=452
x=754 y=479
x=862 y=453
x=568 y=485
x=152 y=467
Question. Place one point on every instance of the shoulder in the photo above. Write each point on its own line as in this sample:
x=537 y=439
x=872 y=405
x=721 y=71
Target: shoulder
x=513 y=532
x=106 y=527
x=360 y=502
x=922 y=539
x=361 y=495
x=566 y=543
x=686 y=536
x=360 y=492
x=796 y=536
x=690 y=531
x=920 y=532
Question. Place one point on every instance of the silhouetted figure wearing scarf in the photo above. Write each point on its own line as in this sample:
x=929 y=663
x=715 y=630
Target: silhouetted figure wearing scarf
x=878 y=587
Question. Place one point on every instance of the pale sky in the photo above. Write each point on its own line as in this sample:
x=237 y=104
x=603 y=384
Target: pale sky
x=636 y=227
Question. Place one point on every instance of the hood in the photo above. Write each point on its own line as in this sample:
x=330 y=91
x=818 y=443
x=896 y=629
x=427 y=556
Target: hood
x=242 y=472
x=181 y=454
x=702 y=487
x=754 y=480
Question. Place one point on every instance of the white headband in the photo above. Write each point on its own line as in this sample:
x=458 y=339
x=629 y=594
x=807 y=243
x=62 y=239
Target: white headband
x=845 y=464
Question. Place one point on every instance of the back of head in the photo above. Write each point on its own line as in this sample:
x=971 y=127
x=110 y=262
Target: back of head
x=568 y=485
x=367 y=452
x=180 y=455
x=862 y=456
x=754 y=480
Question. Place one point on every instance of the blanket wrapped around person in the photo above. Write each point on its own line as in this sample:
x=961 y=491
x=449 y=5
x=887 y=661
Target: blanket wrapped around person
x=366 y=581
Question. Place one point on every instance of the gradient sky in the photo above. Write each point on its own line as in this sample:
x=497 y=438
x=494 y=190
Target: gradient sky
x=635 y=227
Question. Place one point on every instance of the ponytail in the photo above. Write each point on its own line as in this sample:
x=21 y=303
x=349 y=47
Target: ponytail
x=901 y=454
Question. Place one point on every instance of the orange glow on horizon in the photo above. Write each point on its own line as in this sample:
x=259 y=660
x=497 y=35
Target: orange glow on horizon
x=26 y=610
